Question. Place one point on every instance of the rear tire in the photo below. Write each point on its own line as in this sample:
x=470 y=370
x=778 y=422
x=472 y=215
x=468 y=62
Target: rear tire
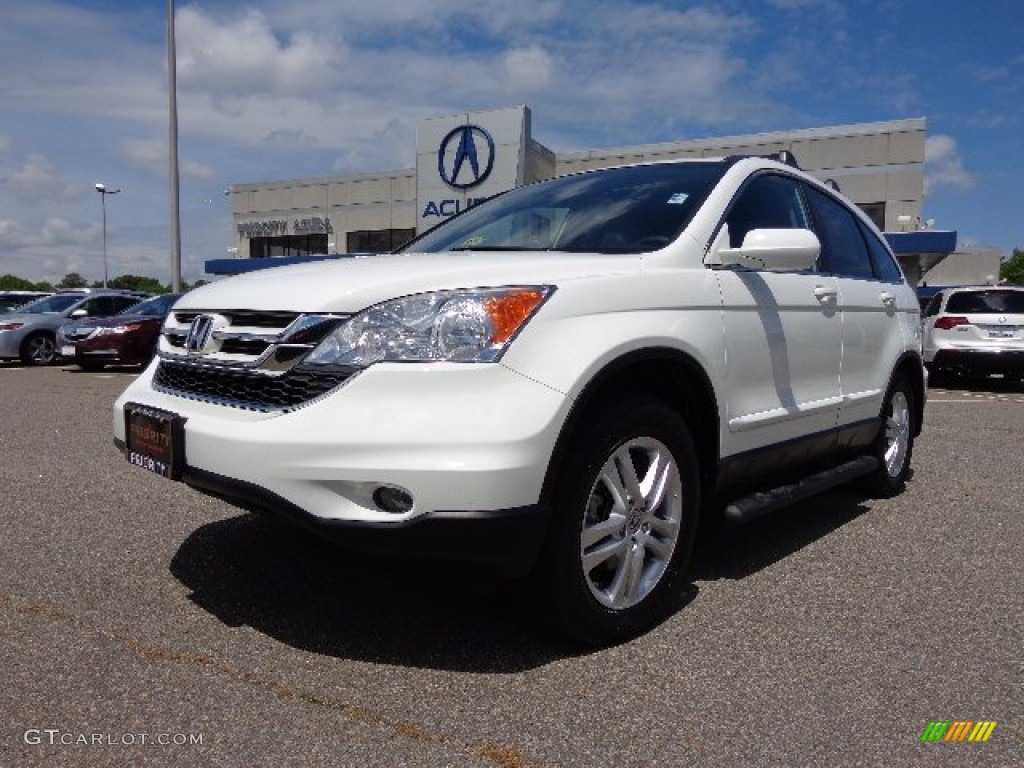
x=39 y=348
x=626 y=512
x=894 y=445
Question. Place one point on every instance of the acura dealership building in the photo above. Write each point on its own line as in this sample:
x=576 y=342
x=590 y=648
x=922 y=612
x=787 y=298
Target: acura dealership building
x=462 y=159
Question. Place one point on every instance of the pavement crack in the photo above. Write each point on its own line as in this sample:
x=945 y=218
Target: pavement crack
x=503 y=757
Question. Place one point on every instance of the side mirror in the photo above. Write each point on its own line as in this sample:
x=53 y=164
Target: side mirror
x=772 y=250
x=78 y=313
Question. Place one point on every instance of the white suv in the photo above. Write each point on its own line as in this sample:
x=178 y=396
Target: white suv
x=555 y=383
x=977 y=330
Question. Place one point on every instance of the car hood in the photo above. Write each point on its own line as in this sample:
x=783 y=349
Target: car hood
x=352 y=284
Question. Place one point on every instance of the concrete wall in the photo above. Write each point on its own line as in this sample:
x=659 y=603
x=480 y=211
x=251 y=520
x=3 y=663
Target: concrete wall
x=966 y=267
x=352 y=203
x=871 y=162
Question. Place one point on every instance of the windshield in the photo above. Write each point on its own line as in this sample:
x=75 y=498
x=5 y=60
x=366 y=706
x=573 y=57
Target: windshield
x=618 y=210
x=158 y=306
x=987 y=302
x=57 y=303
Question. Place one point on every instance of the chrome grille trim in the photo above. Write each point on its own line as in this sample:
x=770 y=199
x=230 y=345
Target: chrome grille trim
x=267 y=342
x=256 y=364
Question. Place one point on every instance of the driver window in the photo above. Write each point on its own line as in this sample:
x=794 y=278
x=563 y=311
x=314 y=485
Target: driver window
x=98 y=307
x=767 y=202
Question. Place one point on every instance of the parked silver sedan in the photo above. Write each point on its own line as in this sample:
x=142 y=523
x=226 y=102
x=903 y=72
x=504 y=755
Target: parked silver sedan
x=30 y=332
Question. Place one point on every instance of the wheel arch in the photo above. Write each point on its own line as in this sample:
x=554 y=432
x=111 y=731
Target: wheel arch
x=667 y=374
x=43 y=333
x=911 y=366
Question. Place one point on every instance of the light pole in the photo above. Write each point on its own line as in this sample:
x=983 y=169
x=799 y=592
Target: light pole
x=102 y=189
x=172 y=130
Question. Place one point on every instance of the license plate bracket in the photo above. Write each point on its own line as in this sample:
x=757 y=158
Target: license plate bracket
x=155 y=440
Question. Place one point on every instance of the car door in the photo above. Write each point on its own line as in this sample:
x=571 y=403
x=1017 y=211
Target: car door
x=782 y=330
x=871 y=298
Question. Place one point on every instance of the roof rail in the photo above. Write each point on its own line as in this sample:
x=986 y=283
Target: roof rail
x=782 y=156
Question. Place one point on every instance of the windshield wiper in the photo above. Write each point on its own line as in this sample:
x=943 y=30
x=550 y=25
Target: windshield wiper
x=494 y=248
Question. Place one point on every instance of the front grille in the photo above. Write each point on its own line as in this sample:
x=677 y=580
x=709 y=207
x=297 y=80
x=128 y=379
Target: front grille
x=248 y=317
x=251 y=347
x=270 y=340
x=247 y=389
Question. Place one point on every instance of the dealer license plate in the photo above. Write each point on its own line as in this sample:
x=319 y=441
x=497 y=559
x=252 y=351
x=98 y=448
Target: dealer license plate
x=67 y=351
x=154 y=440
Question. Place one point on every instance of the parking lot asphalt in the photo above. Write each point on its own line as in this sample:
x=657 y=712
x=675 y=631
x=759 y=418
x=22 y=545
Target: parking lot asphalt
x=135 y=611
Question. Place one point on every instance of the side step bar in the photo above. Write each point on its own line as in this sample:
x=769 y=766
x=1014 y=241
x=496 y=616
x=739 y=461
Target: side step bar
x=751 y=507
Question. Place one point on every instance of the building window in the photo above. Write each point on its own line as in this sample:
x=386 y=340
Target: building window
x=377 y=240
x=287 y=245
x=875 y=212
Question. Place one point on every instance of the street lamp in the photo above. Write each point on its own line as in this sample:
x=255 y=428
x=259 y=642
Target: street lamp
x=102 y=189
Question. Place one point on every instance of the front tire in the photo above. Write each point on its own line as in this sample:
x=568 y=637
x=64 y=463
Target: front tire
x=39 y=349
x=626 y=511
x=894 y=445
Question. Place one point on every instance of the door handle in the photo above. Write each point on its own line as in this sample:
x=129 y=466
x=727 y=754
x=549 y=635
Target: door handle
x=887 y=298
x=824 y=293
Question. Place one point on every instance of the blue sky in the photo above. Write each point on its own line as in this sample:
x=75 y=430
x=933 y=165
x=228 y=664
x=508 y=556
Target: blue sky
x=280 y=89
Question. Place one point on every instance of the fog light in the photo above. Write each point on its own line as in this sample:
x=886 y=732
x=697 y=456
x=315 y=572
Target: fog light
x=391 y=499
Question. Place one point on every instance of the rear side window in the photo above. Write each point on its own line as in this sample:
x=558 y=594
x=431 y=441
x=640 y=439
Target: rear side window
x=933 y=305
x=844 y=251
x=986 y=302
x=767 y=202
x=119 y=303
x=885 y=265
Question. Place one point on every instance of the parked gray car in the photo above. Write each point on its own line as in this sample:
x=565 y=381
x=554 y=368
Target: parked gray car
x=30 y=332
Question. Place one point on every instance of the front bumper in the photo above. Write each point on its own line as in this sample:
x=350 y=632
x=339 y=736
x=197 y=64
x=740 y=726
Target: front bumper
x=979 y=360
x=472 y=438
x=10 y=343
x=505 y=542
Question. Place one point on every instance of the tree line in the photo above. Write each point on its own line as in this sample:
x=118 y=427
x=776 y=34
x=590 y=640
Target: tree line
x=10 y=282
x=1011 y=271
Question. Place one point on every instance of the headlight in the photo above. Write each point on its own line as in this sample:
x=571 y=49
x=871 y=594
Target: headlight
x=118 y=329
x=470 y=326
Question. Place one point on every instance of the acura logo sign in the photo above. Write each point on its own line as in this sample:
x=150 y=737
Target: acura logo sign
x=466 y=156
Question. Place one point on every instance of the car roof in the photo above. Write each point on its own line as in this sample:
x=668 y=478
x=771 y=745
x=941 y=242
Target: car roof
x=981 y=288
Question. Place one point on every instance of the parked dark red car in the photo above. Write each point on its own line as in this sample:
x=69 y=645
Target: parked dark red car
x=129 y=338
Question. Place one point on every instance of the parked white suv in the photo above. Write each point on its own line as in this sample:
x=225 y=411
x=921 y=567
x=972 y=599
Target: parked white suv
x=557 y=382
x=976 y=330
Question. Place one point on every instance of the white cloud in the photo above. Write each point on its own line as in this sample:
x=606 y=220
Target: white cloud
x=39 y=177
x=54 y=232
x=243 y=55
x=528 y=69
x=943 y=166
x=152 y=155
